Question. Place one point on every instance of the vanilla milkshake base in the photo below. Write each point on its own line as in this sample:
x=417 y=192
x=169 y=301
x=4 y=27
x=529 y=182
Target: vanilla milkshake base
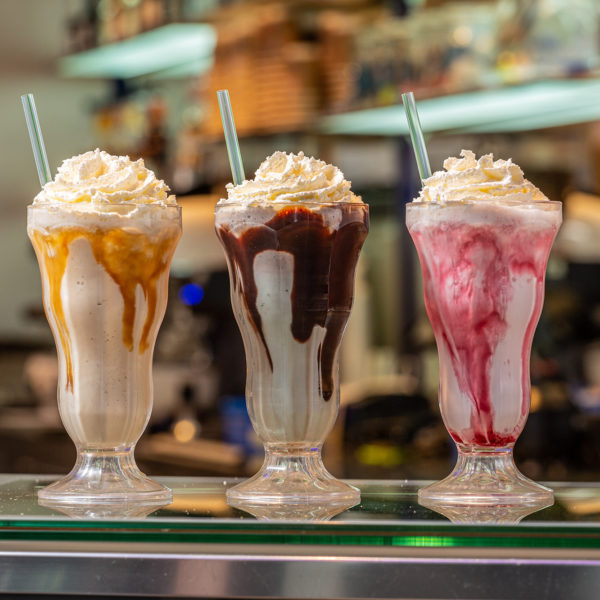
x=105 y=280
x=483 y=265
x=483 y=269
x=291 y=268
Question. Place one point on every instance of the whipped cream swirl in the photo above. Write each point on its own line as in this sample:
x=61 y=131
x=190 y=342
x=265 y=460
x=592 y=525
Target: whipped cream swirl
x=468 y=179
x=98 y=177
x=293 y=178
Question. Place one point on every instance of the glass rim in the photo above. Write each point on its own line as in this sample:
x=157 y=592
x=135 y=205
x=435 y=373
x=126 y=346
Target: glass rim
x=455 y=203
x=89 y=206
x=267 y=203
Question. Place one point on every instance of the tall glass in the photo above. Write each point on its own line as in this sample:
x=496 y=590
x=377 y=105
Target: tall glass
x=105 y=273
x=291 y=269
x=483 y=266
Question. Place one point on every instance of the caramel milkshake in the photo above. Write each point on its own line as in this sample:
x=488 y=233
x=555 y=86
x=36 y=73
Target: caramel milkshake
x=104 y=232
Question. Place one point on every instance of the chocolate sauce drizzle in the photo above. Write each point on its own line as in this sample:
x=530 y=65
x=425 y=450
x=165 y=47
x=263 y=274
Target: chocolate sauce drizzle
x=324 y=264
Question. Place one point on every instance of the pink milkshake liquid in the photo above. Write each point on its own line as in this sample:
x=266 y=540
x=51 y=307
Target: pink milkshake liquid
x=483 y=266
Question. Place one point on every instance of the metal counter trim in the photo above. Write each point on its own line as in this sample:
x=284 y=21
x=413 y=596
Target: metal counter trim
x=200 y=575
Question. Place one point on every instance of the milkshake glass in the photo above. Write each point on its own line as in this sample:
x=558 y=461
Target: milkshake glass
x=483 y=234
x=292 y=238
x=104 y=233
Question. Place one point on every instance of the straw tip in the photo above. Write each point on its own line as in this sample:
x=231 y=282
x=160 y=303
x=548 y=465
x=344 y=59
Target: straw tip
x=408 y=97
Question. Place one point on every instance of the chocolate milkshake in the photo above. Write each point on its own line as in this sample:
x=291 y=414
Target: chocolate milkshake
x=104 y=232
x=292 y=238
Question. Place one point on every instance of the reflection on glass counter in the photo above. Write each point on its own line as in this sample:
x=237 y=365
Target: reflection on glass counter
x=100 y=511
x=478 y=514
x=389 y=510
x=308 y=511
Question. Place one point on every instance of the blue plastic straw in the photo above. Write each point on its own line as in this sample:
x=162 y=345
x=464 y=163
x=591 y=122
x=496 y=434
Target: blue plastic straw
x=416 y=135
x=231 y=139
x=37 y=141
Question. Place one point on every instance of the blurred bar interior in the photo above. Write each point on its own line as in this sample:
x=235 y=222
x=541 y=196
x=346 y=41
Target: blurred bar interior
x=519 y=78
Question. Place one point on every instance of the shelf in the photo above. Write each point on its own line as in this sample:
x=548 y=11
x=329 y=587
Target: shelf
x=525 y=107
x=388 y=546
x=175 y=50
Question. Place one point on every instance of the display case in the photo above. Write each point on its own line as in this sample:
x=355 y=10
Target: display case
x=385 y=547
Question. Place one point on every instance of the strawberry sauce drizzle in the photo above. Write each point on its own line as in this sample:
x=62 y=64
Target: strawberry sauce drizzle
x=468 y=273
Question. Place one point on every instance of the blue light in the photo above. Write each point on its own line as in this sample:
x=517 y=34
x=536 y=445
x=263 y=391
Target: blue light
x=191 y=294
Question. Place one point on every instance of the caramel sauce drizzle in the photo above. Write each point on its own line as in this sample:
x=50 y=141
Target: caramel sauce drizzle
x=130 y=257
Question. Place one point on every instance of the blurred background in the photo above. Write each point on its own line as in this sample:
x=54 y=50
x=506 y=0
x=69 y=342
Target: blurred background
x=518 y=78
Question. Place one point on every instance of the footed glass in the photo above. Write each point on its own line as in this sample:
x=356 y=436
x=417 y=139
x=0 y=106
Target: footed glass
x=291 y=268
x=105 y=280
x=483 y=266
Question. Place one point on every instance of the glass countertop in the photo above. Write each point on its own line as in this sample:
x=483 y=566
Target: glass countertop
x=388 y=515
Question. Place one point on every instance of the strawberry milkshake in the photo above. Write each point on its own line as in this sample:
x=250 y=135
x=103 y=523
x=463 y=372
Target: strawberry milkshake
x=483 y=234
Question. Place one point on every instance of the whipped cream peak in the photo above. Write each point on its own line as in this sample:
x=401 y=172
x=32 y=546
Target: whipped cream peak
x=293 y=178
x=468 y=179
x=98 y=177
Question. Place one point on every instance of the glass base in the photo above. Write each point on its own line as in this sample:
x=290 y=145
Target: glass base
x=102 y=510
x=292 y=476
x=291 y=512
x=486 y=479
x=100 y=477
x=477 y=514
